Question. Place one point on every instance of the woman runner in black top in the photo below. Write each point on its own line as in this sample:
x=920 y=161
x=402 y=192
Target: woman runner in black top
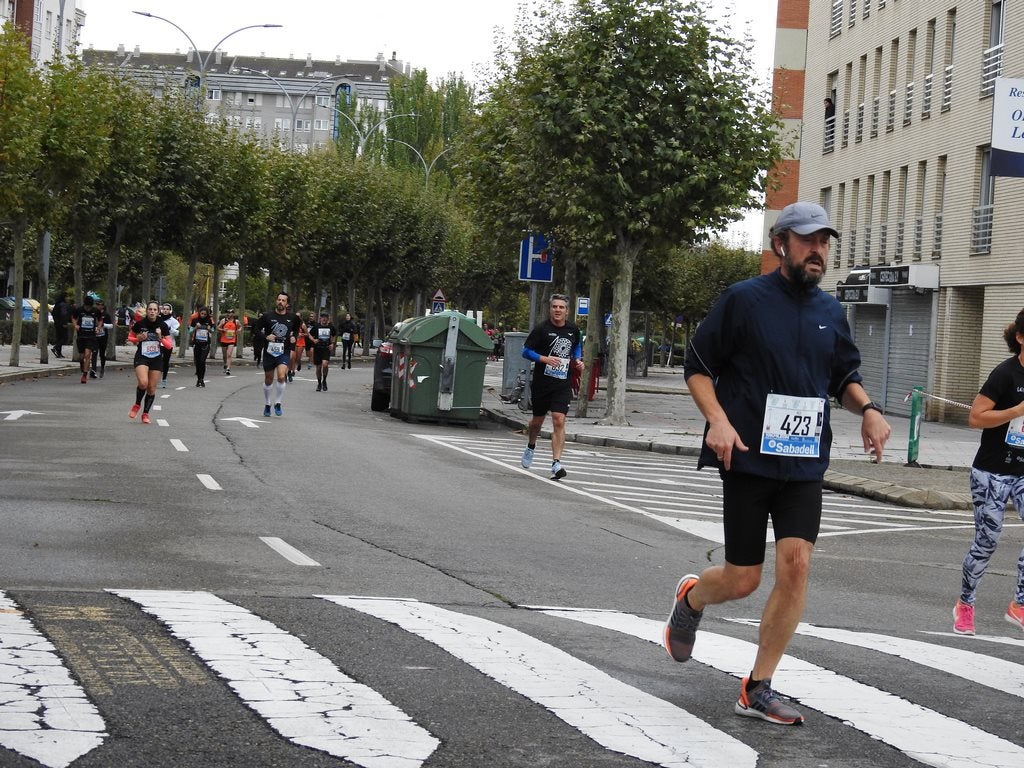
x=150 y=334
x=202 y=333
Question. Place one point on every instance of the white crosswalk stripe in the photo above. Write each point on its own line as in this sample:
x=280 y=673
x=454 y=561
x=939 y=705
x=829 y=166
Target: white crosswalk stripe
x=302 y=695
x=305 y=697
x=923 y=734
x=615 y=715
x=671 y=490
x=44 y=714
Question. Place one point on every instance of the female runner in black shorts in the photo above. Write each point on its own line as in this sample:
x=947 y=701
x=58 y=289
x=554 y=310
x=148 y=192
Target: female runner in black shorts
x=147 y=334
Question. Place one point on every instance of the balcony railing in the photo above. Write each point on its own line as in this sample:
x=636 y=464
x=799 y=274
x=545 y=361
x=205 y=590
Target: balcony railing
x=937 y=237
x=837 y=252
x=918 y=237
x=883 y=243
x=926 y=96
x=876 y=109
x=981 y=229
x=859 y=134
x=890 y=123
x=846 y=128
x=901 y=231
x=866 y=245
x=991 y=68
x=851 y=254
x=908 y=104
x=835 y=26
x=830 y=135
x=947 y=89
x=853 y=12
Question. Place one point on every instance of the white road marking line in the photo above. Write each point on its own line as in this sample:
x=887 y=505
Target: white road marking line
x=163 y=423
x=178 y=445
x=157 y=408
x=1000 y=675
x=983 y=638
x=615 y=715
x=164 y=397
x=922 y=734
x=287 y=551
x=209 y=482
x=301 y=694
x=178 y=389
x=44 y=713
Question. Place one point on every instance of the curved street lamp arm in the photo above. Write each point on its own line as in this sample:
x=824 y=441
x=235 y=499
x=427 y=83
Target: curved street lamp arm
x=438 y=157
x=426 y=168
x=149 y=15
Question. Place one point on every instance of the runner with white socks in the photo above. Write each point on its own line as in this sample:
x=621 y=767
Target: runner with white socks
x=278 y=329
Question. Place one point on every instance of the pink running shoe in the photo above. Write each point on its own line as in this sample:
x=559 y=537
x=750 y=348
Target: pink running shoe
x=1015 y=614
x=963 y=618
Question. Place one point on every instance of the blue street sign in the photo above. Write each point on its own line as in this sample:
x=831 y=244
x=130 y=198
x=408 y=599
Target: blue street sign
x=608 y=320
x=582 y=306
x=535 y=259
x=436 y=307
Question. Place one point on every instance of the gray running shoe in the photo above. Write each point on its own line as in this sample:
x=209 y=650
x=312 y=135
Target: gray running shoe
x=557 y=470
x=766 y=704
x=527 y=459
x=681 y=627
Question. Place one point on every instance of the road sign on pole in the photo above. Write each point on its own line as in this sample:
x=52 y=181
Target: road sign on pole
x=535 y=259
x=582 y=306
x=438 y=302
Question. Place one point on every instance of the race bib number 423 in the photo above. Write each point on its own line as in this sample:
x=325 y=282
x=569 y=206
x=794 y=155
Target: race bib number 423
x=792 y=426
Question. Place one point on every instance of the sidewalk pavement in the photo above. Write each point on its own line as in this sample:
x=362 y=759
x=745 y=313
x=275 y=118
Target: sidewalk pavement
x=663 y=419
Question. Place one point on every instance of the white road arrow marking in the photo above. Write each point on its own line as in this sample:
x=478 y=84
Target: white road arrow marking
x=301 y=694
x=921 y=733
x=15 y=415
x=246 y=421
x=44 y=713
x=617 y=716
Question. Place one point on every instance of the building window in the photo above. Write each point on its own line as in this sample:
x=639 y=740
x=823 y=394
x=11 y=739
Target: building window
x=282 y=123
x=947 y=73
x=213 y=94
x=940 y=202
x=323 y=101
x=48 y=32
x=321 y=125
x=302 y=124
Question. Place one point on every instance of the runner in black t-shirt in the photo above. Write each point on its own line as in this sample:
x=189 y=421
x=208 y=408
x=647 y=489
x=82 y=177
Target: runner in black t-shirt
x=278 y=329
x=102 y=339
x=150 y=335
x=349 y=330
x=321 y=339
x=554 y=345
x=85 y=320
x=202 y=334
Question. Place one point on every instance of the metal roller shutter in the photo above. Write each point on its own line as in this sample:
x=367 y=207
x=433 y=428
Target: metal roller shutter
x=910 y=340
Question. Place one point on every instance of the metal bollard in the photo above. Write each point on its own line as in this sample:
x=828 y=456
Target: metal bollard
x=916 y=414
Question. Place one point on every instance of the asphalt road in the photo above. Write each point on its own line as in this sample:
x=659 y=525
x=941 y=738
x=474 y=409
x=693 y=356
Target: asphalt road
x=441 y=606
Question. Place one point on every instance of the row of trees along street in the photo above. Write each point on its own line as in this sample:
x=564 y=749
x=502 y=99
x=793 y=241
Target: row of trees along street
x=625 y=130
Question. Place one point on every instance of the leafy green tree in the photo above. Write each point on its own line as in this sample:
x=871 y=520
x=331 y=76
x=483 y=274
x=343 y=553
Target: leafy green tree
x=639 y=124
x=21 y=152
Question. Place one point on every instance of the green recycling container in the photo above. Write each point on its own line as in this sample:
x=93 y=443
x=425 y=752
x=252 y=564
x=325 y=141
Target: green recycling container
x=438 y=369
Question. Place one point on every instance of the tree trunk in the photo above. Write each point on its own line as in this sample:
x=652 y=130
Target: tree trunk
x=113 y=269
x=350 y=306
x=147 y=273
x=190 y=291
x=18 y=247
x=592 y=345
x=215 y=304
x=618 y=348
x=240 y=346
x=43 y=273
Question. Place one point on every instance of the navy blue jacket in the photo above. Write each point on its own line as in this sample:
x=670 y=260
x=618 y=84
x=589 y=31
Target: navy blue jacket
x=766 y=335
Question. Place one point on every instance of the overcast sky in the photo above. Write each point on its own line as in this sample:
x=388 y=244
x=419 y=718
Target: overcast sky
x=440 y=36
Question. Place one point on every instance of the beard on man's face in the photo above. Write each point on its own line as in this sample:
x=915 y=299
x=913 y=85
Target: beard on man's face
x=799 y=273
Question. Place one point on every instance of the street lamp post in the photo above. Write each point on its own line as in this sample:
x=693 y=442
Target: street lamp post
x=426 y=168
x=364 y=137
x=206 y=59
x=292 y=105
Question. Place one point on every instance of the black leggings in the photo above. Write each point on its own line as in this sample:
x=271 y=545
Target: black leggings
x=346 y=352
x=166 y=353
x=199 y=352
x=101 y=353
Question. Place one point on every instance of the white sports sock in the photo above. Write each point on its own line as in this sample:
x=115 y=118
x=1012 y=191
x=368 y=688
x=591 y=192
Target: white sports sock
x=267 y=389
x=279 y=389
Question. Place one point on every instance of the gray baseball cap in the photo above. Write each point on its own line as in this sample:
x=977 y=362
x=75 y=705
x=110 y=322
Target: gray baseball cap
x=804 y=219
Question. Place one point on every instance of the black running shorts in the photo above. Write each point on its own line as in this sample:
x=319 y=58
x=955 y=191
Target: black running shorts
x=551 y=401
x=749 y=501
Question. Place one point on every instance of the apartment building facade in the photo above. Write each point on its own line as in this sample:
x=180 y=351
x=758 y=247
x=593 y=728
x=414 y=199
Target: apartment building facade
x=928 y=262
x=51 y=25
x=295 y=102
